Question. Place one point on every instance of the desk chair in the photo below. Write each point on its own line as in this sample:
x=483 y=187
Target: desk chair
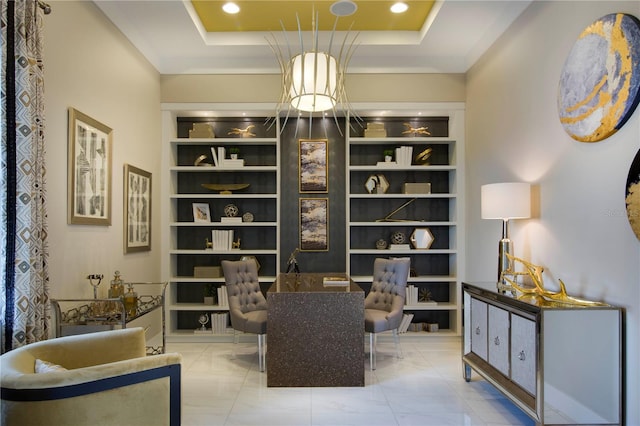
x=247 y=304
x=383 y=306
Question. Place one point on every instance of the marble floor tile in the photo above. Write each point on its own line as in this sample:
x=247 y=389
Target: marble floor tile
x=222 y=385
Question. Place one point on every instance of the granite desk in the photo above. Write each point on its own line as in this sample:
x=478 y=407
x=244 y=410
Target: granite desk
x=315 y=332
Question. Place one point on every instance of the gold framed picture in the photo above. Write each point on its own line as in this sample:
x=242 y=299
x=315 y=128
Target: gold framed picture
x=137 y=209
x=313 y=165
x=314 y=224
x=88 y=171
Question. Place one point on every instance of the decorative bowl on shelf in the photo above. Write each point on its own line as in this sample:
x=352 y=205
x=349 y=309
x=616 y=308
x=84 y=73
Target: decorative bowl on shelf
x=225 y=188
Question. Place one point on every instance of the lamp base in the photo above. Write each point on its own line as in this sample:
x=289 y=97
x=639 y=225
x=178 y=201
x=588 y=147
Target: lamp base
x=504 y=247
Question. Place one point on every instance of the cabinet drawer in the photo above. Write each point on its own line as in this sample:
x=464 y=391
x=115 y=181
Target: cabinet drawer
x=523 y=353
x=479 y=328
x=498 y=342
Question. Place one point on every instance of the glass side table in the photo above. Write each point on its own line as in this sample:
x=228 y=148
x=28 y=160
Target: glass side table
x=79 y=316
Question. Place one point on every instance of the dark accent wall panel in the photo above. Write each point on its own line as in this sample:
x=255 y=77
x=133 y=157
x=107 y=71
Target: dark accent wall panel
x=332 y=260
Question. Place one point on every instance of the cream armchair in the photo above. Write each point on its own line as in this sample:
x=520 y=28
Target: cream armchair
x=108 y=381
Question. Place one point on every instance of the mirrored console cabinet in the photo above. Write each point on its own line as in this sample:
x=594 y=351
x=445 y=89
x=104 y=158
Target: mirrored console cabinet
x=560 y=363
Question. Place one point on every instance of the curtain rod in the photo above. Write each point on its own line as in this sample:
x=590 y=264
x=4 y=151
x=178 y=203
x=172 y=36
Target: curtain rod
x=45 y=7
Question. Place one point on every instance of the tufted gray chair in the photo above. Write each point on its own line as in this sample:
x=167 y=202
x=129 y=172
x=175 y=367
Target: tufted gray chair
x=383 y=306
x=247 y=304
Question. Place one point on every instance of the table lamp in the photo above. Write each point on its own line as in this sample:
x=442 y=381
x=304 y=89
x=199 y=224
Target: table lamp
x=505 y=201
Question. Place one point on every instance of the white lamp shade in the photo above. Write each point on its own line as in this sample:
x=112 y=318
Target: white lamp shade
x=313 y=82
x=506 y=200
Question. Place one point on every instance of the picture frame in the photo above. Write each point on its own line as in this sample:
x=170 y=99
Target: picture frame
x=314 y=224
x=201 y=213
x=313 y=165
x=137 y=209
x=88 y=170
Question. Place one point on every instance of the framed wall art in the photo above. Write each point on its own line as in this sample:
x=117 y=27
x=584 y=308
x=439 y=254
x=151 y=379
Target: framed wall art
x=201 y=212
x=313 y=165
x=632 y=197
x=314 y=224
x=137 y=209
x=88 y=171
x=600 y=82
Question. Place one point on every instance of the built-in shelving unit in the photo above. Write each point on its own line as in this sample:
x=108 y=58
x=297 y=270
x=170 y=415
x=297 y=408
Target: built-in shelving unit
x=186 y=242
x=435 y=271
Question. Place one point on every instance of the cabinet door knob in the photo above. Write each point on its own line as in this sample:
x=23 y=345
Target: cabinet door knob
x=496 y=341
x=522 y=356
x=478 y=331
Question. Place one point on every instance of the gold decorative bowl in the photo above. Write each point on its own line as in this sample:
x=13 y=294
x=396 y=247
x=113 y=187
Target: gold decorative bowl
x=225 y=188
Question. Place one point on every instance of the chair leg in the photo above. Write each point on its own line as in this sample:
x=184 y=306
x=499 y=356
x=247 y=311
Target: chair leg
x=261 y=352
x=372 y=350
x=396 y=340
x=236 y=339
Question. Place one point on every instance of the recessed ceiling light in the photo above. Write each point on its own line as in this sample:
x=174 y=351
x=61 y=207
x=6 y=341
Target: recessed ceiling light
x=399 y=7
x=343 y=8
x=231 y=8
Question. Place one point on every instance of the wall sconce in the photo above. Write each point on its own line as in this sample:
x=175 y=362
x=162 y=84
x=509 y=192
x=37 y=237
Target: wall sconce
x=505 y=201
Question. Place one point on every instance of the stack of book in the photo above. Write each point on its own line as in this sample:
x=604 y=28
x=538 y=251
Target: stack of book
x=219 y=159
x=375 y=130
x=411 y=295
x=234 y=219
x=219 y=322
x=404 y=324
x=403 y=155
x=222 y=239
x=223 y=300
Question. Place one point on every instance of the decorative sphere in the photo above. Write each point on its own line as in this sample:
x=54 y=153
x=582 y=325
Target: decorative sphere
x=231 y=210
x=398 y=238
x=247 y=217
x=381 y=244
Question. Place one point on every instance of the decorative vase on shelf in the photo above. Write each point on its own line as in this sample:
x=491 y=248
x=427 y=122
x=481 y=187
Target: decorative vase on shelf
x=130 y=300
x=116 y=289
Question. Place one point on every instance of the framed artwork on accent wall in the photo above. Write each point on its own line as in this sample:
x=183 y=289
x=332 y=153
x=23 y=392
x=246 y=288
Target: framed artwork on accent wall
x=314 y=224
x=88 y=171
x=137 y=209
x=313 y=165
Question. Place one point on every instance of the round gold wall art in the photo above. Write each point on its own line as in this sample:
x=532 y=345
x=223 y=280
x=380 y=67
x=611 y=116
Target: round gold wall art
x=633 y=195
x=600 y=83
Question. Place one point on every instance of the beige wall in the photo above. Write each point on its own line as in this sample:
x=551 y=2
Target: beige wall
x=360 y=88
x=91 y=67
x=581 y=233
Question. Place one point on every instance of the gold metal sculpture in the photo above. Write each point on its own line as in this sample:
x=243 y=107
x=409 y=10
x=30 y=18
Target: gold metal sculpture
x=423 y=157
x=245 y=133
x=225 y=188
x=534 y=272
x=415 y=130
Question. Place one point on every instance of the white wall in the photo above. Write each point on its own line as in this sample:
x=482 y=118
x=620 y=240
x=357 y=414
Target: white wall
x=581 y=234
x=91 y=67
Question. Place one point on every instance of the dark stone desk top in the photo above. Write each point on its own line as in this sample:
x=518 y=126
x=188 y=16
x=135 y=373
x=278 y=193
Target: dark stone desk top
x=312 y=282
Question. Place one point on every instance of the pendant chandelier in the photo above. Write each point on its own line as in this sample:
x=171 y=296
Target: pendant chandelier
x=313 y=77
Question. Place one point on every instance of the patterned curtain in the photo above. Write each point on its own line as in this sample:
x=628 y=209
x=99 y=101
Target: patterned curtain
x=24 y=251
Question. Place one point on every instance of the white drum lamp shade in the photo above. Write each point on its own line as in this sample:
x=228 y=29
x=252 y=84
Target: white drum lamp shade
x=313 y=82
x=506 y=200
